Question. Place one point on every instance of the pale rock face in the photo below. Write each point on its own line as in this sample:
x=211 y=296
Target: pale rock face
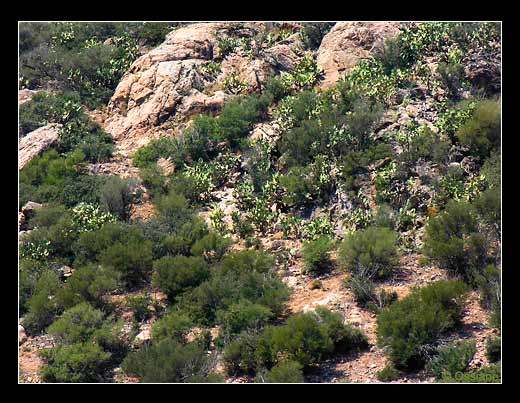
x=168 y=85
x=349 y=42
x=35 y=142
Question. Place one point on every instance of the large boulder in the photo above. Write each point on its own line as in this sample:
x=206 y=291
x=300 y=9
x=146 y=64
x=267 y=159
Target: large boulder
x=37 y=141
x=169 y=84
x=347 y=43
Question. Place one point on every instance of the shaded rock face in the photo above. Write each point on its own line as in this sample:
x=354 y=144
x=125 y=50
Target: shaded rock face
x=347 y=43
x=36 y=142
x=170 y=84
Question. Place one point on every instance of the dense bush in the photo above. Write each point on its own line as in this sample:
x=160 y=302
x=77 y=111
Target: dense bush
x=454 y=242
x=211 y=246
x=284 y=372
x=170 y=361
x=242 y=316
x=316 y=255
x=408 y=326
x=41 y=310
x=175 y=325
x=118 y=196
x=370 y=253
x=481 y=133
x=175 y=275
x=494 y=349
x=306 y=338
x=243 y=277
x=173 y=210
x=388 y=374
x=119 y=246
x=451 y=359
x=78 y=362
x=88 y=345
x=89 y=283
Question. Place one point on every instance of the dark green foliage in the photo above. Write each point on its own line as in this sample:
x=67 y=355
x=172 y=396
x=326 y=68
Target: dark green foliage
x=239 y=354
x=119 y=246
x=175 y=325
x=211 y=246
x=132 y=259
x=494 y=349
x=388 y=374
x=284 y=372
x=118 y=196
x=41 y=310
x=426 y=145
x=313 y=32
x=30 y=271
x=43 y=179
x=242 y=316
x=173 y=210
x=451 y=359
x=492 y=170
x=140 y=305
x=79 y=362
x=46 y=216
x=481 y=133
x=175 y=275
x=82 y=323
x=370 y=253
x=454 y=243
x=88 y=345
x=241 y=275
x=89 y=283
x=407 y=326
x=169 y=361
x=316 y=255
x=153 y=179
x=389 y=55
x=307 y=338
x=182 y=241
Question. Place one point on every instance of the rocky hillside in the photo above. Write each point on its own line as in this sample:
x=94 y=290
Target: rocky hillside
x=262 y=202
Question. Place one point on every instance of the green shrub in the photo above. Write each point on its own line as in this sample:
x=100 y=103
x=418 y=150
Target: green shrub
x=175 y=325
x=30 y=270
x=79 y=362
x=132 y=259
x=247 y=261
x=182 y=241
x=41 y=310
x=242 y=316
x=313 y=32
x=284 y=372
x=481 y=133
x=307 y=338
x=169 y=361
x=408 y=325
x=454 y=243
x=211 y=246
x=451 y=359
x=494 y=349
x=46 y=216
x=118 y=196
x=388 y=374
x=173 y=210
x=238 y=278
x=175 y=275
x=140 y=305
x=239 y=354
x=425 y=145
x=89 y=283
x=371 y=252
x=82 y=323
x=316 y=255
